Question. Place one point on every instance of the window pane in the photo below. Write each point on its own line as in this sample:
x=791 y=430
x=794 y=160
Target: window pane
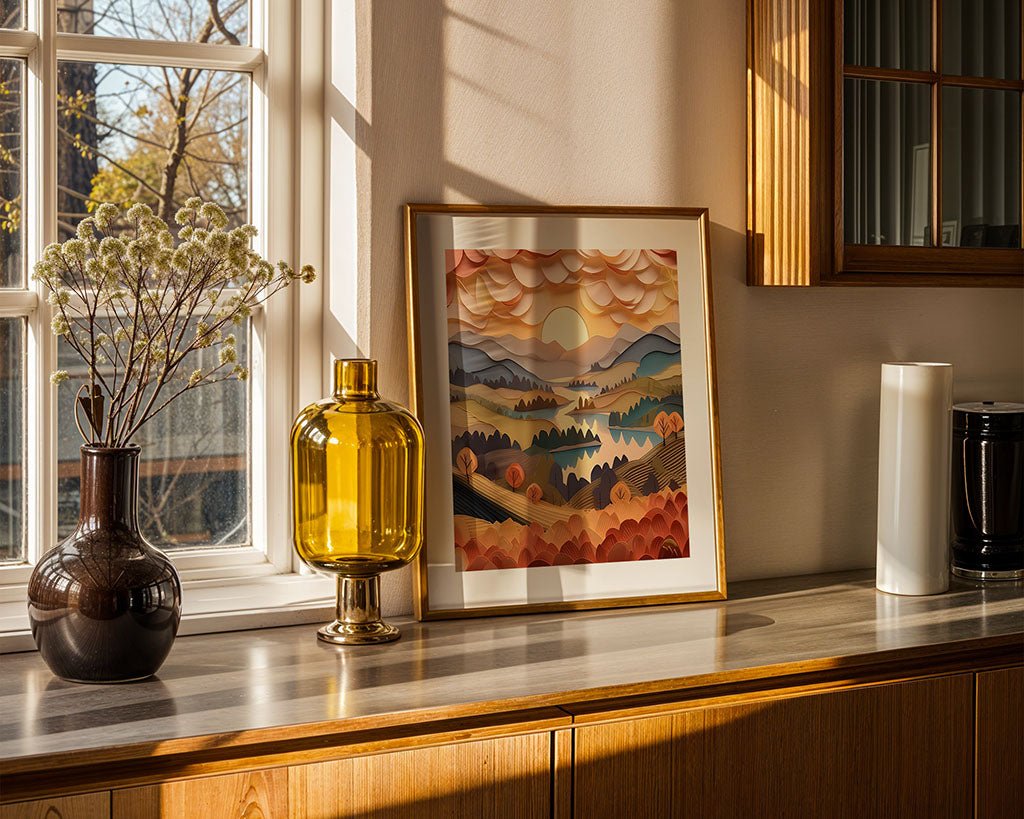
x=886 y=158
x=194 y=21
x=11 y=14
x=12 y=75
x=888 y=33
x=12 y=412
x=981 y=38
x=981 y=143
x=194 y=470
x=153 y=135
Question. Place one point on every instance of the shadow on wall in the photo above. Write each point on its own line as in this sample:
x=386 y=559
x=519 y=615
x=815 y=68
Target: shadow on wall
x=403 y=133
x=644 y=104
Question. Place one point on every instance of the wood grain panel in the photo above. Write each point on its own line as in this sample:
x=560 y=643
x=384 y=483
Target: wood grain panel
x=217 y=755
x=562 y=752
x=887 y=750
x=490 y=779
x=778 y=142
x=649 y=767
x=999 y=744
x=251 y=795
x=83 y=806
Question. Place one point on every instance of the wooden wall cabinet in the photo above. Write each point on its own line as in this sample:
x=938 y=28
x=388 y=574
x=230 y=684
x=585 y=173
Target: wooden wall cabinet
x=937 y=746
x=896 y=195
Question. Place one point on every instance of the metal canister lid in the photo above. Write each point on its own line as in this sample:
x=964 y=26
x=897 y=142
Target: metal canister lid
x=989 y=417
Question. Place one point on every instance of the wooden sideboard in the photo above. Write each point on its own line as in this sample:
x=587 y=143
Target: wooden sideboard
x=802 y=697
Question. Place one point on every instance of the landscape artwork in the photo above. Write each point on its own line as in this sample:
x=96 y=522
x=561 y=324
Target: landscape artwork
x=567 y=418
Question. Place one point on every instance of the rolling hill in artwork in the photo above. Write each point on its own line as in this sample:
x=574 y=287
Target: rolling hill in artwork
x=639 y=349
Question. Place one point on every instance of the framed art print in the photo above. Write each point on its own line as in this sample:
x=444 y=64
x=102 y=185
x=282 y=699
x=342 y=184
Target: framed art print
x=562 y=362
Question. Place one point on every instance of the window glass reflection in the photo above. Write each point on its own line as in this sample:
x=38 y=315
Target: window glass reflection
x=981 y=38
x=886 y=157
x=888 y=33
x=981 y=180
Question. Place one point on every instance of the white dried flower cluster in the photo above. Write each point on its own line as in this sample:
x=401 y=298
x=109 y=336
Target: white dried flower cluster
x=139 y=300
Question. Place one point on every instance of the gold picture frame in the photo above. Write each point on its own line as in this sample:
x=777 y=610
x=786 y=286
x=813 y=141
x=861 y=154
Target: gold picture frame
x=435 y=236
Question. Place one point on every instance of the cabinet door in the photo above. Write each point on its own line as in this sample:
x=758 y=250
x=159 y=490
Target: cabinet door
x=485 y=779
x=83 y=806
x=1000 y=743
x=253 y=794
x=647 y=767
x=890 y=750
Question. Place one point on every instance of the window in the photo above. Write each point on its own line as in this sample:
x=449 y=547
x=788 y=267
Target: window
x=155 y=101
x=159 y=134
x=12 y=440
x=931 y=136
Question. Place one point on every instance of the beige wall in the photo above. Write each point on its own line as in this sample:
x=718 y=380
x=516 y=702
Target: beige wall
x=643 y=103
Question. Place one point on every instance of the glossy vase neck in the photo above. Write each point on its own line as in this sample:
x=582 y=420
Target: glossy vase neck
x=355 y=379
x=109 y=488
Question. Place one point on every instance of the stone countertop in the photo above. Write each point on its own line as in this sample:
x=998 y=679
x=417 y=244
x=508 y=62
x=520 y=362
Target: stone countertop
x=257 y=686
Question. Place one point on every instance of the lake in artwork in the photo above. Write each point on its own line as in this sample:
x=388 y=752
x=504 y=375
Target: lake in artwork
x=565 y=387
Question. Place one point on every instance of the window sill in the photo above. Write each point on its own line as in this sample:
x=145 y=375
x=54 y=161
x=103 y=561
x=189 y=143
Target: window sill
x=215 y=605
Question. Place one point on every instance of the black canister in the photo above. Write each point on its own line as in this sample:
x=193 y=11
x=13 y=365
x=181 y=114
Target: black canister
x=987 y=503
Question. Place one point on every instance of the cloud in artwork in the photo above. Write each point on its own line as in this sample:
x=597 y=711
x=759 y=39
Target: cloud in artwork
x=512 y=292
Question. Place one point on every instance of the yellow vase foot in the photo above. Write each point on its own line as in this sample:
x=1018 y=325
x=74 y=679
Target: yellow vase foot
x=355 y=634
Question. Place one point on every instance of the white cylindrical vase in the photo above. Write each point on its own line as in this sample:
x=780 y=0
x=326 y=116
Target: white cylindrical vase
x=914 y=435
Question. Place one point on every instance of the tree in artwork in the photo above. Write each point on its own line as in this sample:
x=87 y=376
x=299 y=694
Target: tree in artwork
x=466 y=461
x=663 y=426
x=514 y=476
x=620 y=493
x=675 y=424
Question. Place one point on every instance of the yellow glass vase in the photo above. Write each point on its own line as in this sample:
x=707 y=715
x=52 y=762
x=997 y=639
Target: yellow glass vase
x=357 y=471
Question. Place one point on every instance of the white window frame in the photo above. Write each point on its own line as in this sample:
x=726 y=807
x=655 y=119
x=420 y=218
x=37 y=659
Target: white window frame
x=223 y=589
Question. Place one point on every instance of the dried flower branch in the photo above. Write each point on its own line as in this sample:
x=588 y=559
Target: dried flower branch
x=133 y=306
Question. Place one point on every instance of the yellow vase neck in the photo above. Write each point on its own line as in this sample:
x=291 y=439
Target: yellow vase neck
x=355 y=378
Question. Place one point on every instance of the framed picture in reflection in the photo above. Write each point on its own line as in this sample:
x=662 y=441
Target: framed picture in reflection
x=950 y=233
x=562 y=364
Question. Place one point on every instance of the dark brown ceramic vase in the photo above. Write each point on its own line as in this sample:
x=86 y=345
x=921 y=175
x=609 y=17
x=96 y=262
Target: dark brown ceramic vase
x=104 y=605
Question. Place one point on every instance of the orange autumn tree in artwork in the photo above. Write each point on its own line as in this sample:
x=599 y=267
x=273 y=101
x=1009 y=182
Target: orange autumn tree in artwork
x=466 y=461
x=662 y=425
x=650 y=528
x=565 y=393
x=514 y=476
x=675 y=423
x=620 y=493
